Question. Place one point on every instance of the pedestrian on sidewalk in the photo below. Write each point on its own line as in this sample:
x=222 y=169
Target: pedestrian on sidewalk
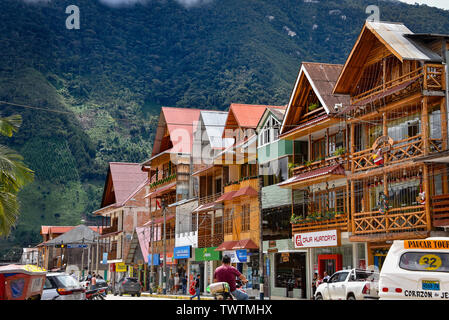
x=176 y=280
x=315 y=278
x=171 y=283
x=184 y=284
x=197 y=287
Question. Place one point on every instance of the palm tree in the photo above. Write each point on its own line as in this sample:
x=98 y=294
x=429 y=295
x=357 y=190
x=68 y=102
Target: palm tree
x=14 y=175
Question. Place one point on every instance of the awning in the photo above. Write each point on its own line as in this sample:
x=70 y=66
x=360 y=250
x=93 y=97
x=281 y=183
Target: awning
x=314 y=176
x=159 y=220
x=226 y=197
x=245 y=244
x=245 y=191
x=227 y=245
x=208 y=207
x=160 y=190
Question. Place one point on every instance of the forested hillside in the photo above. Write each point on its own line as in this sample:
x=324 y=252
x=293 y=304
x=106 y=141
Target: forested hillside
x=93 y=95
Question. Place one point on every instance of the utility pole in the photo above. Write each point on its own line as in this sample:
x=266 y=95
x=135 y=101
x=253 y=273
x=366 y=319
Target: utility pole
x=152 y=251
x=261 y=277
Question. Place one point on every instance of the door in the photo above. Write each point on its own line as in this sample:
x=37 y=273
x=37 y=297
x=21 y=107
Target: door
x=330 y=263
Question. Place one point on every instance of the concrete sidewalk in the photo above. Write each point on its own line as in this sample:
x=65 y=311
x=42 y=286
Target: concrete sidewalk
x=176 y=296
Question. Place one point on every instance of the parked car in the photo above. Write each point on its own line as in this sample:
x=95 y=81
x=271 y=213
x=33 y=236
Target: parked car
x=101 y=285
x=354 y=284
x=61 y=286
x=416 y=270
x=128 y=285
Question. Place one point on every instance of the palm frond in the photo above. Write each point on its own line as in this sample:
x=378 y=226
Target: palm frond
x=9 y=125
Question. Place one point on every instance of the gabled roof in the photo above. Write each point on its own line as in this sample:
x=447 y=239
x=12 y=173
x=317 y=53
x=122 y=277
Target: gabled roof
x=214 y=122
x=61 y=229
x=179 y=123
x=277 y=113
x=246 y=116
x=122 y=182
x=395 y=37
x=322 y=78
x=78 y=234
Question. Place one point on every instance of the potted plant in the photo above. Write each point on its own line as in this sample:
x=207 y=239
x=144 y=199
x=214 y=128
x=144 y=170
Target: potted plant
x=339 y=151
x=313 y=106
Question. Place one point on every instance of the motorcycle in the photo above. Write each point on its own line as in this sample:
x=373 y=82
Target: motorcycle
x=95 y=294
x=222 y=291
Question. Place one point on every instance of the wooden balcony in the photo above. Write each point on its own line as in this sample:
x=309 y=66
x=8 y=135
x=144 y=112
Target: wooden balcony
x=111 y=229
x=341 y=159
x=431 y=76
x=440 y=210
x=339 y=222
x=401 y=150
x=162 y=182
x=209 y=198
x=396 y=220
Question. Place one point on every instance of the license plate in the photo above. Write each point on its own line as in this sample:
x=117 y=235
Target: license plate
x=430 y=285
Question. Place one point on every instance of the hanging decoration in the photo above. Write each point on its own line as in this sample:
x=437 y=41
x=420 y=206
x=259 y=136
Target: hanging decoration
x=383 y=203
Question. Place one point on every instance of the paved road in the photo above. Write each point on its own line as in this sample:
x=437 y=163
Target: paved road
x=128 y=297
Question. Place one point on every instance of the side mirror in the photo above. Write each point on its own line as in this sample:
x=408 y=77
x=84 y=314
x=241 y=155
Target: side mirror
x=325 y=280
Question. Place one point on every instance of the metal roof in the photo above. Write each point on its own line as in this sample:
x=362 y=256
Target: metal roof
x=214 y=122
x=395 y=36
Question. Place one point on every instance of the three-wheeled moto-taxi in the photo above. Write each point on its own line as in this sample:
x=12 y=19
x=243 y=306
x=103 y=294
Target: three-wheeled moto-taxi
x=21 y=282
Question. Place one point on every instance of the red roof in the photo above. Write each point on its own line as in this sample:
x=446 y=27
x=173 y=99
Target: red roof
x=245 y=244
x=226 y=196
x=248 y=115
x=334 y=169
x=126 y=178
x=245 y=191
x=180 y=123
x=226 y=245
x=62 y=229
x=159 y=220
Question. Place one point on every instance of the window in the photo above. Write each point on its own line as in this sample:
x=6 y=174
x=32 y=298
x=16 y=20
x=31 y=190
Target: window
x=425 y=261
x=274 y=172
x=227 y=221
x=339 y=277
x=435 y=122
x=246 y=210
x=270 y=131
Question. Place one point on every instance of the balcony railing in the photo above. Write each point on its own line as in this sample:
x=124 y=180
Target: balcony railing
x=340 y=159
x=209 y=198
x=339 y=222
x=440 y=210
x=406 y=219
x=431 y=76
x=401 y=150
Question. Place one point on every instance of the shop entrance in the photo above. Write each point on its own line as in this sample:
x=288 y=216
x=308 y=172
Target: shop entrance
x=329 y=263
x=379 y=258
x=290 y=273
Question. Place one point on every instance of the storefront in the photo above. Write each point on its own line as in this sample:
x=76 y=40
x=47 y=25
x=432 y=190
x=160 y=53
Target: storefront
x=182 y=255
x=329 y=251
x=155 y=260
x=210 y=259
x=247 y=262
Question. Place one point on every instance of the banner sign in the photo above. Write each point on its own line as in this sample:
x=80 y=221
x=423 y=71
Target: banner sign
x=182 y=252
x=207 y=254
x=120 y=267
x=156 y=259
x=328 y=238
x=105 y=258
x=237 y=256
x=426 y=244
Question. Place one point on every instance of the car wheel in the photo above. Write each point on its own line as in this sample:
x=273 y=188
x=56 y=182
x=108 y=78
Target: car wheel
x=132 y=294
x=138 y=294
x=351 y=297
x=319 y=297
x=120 y=293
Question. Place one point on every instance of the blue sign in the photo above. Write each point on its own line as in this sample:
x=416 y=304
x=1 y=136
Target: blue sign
x=105 y=258
x=76 y=246
x=268 y=267
x=156 y=260
x=241 y=255
x=181 y=252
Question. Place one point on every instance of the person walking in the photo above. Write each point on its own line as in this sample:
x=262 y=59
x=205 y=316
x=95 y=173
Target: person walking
x=176 y=282
x=93 y=280
x=228 y=273
x=171 y=283
x=197 y=287
x=184 y=284
x=315 y=278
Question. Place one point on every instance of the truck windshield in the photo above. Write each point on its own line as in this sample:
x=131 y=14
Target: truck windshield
x=425 y=261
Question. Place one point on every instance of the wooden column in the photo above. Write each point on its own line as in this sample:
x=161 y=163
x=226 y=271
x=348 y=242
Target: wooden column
x=310 y=148
x=387 y=222
x=443 y=110
x=352 y=144
x=425 y=125
x=352 y=206
x=426 y=189
x=326 y=152
x=348 y=206
x=385 y=133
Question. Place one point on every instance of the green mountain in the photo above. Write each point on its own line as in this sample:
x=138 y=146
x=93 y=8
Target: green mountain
x=93 y=95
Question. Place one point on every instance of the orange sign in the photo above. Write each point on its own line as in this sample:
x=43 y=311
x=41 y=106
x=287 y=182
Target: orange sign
x=426 y=244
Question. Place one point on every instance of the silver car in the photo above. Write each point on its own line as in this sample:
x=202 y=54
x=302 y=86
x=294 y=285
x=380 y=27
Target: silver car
x=61 y=286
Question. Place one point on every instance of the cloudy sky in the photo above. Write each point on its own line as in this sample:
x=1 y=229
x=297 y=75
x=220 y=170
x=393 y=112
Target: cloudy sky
x=443 y=4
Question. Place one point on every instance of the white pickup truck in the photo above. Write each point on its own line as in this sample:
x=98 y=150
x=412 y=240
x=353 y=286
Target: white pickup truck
x=351 y=284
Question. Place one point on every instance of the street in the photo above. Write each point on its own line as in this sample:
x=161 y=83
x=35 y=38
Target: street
x=128 y=297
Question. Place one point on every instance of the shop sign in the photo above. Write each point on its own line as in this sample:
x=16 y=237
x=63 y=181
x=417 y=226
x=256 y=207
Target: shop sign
x=426 y=244
x=237 y=255
x=170 y=259
x=207 y=254
x=181 y=252
x=156 y=259
x=120 y=267
x=328 y=238
x=285 y=256
x=105 y=258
